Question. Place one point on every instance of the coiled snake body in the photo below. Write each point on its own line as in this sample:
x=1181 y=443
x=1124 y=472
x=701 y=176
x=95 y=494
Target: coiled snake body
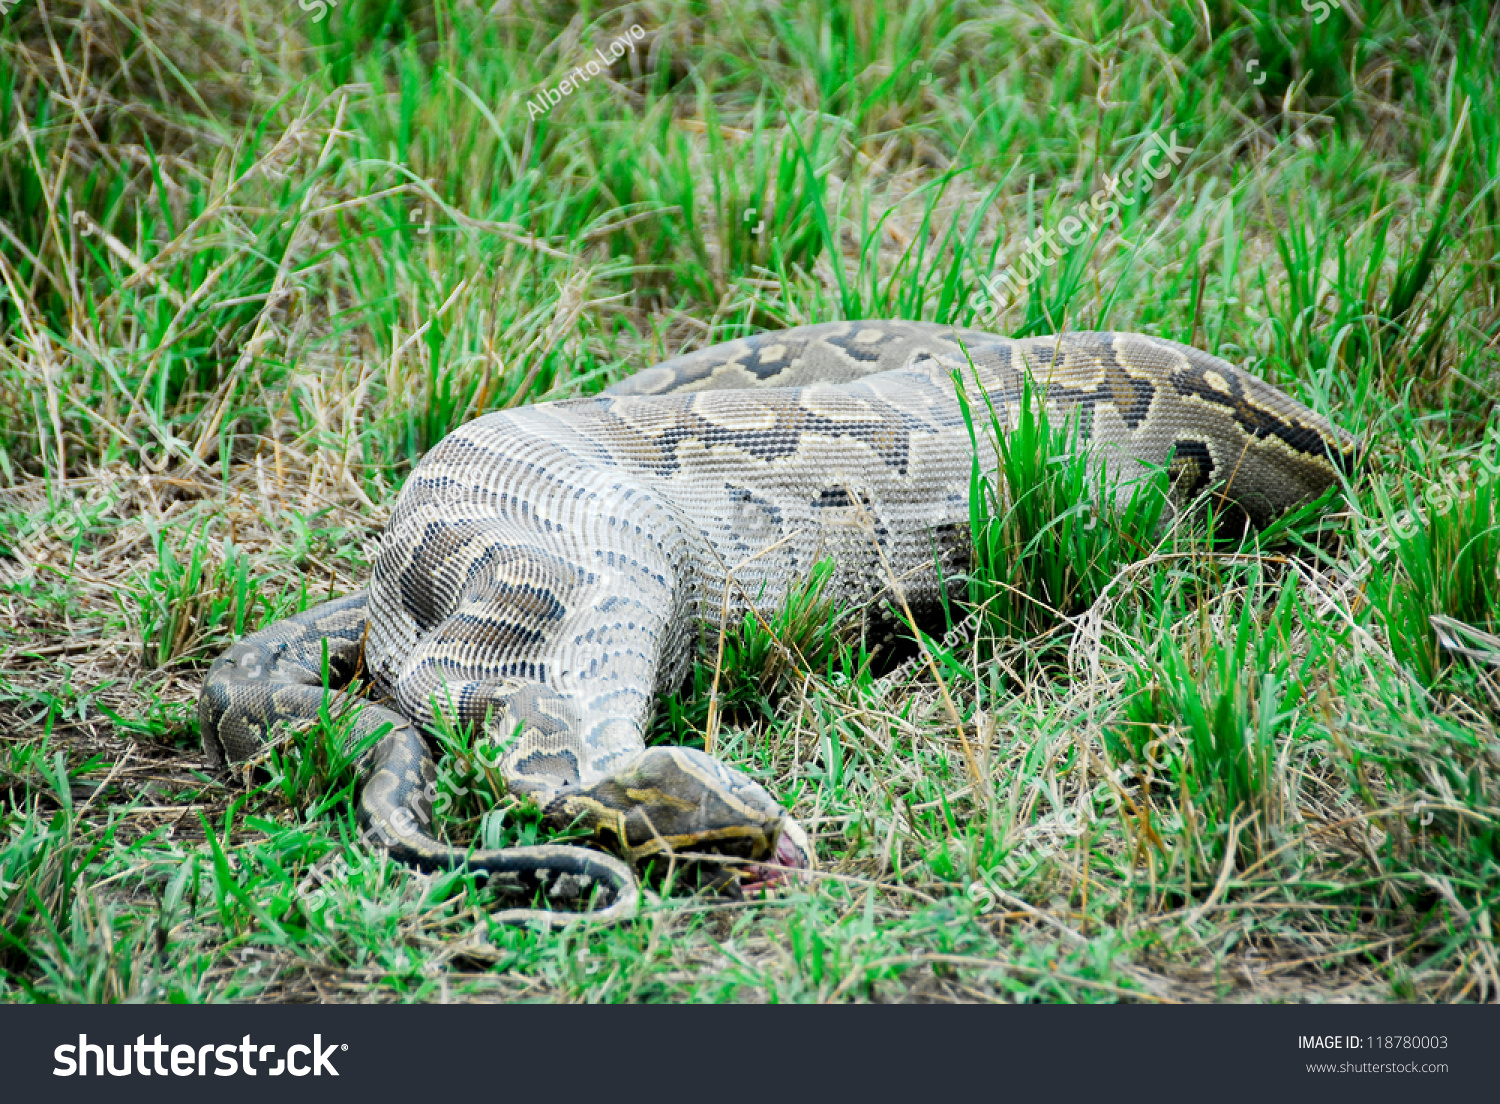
x=546 y=569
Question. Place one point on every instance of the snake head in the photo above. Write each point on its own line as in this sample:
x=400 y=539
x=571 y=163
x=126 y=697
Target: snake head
x=676 y=800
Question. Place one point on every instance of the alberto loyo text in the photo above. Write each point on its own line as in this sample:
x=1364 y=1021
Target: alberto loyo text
x=547 y=98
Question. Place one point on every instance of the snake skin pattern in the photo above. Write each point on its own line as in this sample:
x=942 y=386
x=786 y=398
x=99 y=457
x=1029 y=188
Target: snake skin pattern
x=546 y=570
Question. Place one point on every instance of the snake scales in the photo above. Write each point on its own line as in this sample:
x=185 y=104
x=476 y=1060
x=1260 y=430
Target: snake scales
x=546 y=569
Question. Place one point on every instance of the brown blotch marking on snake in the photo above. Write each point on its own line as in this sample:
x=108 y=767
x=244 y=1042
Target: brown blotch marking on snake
x=1193 y=380
x=1192 y=464
x=640 y=413
x=858 y=345
x=533 y=582
x=428 y=591
x=771 y=358
x=839 y=405
x=1129 y=395
x=728 y=410
x=834 y=498
x=753 y=521
x=763 y=355
x=882 y=430
x=549 y=762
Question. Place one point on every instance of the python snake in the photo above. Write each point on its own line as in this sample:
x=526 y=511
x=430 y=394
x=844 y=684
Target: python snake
x=546 y=570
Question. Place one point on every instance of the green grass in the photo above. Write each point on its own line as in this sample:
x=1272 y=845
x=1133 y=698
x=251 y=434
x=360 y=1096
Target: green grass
x=1050 y=532
x=251 y=269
